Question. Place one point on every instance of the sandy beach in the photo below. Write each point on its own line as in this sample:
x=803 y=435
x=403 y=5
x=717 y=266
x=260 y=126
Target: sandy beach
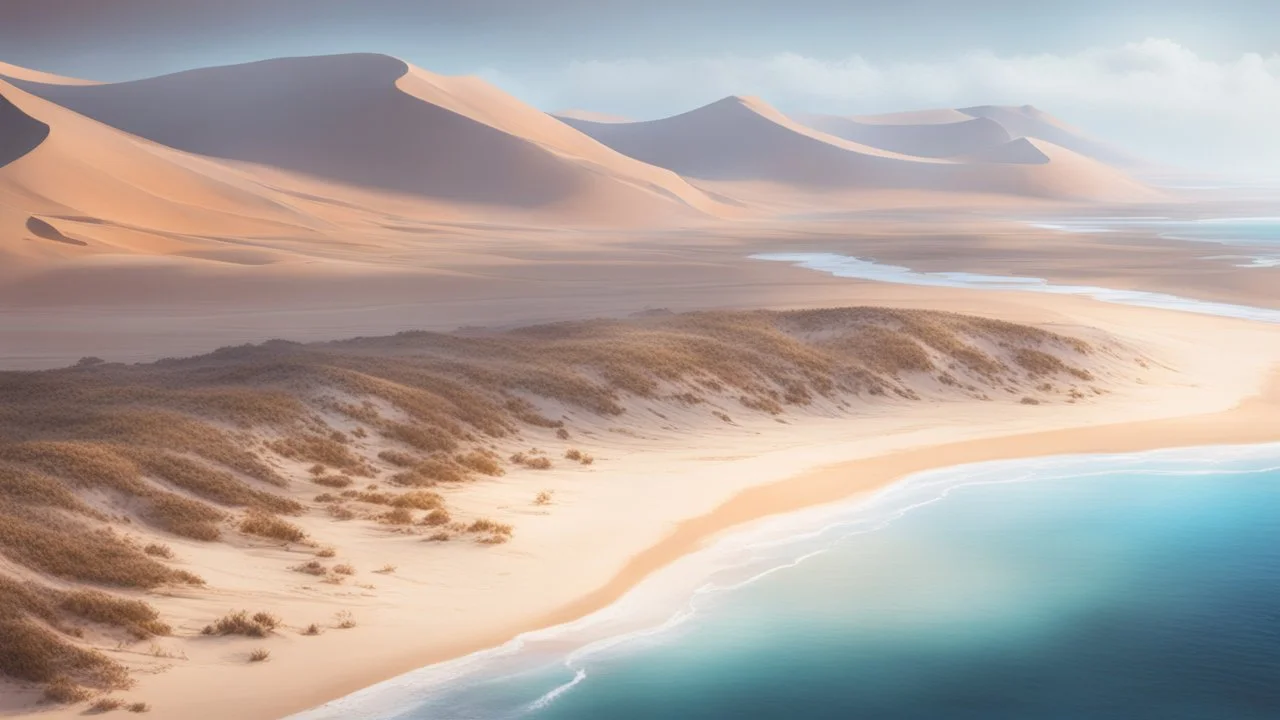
x=555 y=326
x=1208 y=381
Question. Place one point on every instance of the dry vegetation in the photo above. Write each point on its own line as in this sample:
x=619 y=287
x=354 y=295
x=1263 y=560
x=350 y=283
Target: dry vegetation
x=199 y=449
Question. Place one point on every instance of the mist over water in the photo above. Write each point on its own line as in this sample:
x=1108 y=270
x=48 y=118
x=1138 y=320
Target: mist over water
x=1102 y=587
x=858 y=268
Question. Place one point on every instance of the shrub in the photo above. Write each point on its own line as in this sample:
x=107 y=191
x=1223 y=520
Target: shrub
x=440 y=536
x=159 y=550
x=418 y=500
x=397 y=516
x=341 y=512
x=344 y=569
x=562 y=434
x=334 y=481
x=397 y=458
x=578 y=456
x=312 y=567
x=240 y=623
x=259 y=655
x=326 y=552
x=32 y=653
x=137 y=617
x=436 y=518
x=543 y=498
x=386 y=570
x=105 y=705
x=345 y=620
x=485 y=463
x=65 y=692
x=312 y=629
x=138 y=707
x=269 y=526
x=485 y=525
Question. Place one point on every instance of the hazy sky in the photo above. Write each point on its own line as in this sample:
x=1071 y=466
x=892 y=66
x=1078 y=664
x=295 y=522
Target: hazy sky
x=1190 y=81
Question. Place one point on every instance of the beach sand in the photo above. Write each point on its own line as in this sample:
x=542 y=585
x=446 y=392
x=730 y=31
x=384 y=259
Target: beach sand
x=655 y=494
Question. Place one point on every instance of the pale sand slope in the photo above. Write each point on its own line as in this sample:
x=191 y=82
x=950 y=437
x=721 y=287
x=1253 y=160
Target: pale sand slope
x=377 y=122
x=744 y=139
x=60 y=170
x=948 y=133
x=676 y=494
x=911 y=136
x=15 y=72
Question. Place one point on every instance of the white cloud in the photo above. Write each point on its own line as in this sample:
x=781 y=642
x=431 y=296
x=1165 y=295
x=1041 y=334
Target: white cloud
x=1156 y=97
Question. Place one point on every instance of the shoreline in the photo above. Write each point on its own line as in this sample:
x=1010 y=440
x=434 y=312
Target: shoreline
x=1243 y=424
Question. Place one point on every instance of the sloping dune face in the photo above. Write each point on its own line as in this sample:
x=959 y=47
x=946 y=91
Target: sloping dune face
x=19 y=132
x=62 y=169
x=13 y=72
x=922 y=139
x=1030 y=122
x=378 y=123
x=743 y=139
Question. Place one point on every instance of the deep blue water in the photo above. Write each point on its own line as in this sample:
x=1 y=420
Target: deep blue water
x=1096 y=588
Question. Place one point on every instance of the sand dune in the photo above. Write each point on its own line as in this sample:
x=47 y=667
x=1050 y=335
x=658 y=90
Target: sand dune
x=14 y=72
x=63 y=171
x=1030 y=122
x=912 y=134
x=744 y=139
x=591 y=115
x=378 y=123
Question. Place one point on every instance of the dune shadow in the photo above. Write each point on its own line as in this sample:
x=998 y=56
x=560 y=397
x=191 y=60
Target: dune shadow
x=44 y=230
x=19 y=132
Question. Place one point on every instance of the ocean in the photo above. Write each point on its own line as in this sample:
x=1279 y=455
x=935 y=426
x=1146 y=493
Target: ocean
x=1069 y=588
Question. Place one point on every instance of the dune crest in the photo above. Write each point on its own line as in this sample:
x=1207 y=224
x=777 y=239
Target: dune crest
x=745 y=139
x=378 y=123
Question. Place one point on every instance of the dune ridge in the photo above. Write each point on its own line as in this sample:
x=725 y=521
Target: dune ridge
x=105 y=468
x=374 y=121
x=745 y=139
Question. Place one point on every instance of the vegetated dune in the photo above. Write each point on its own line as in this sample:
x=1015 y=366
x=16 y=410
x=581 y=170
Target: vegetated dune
x=744 y=139
x=909 y=136
x=102 y=465
x=379 y=123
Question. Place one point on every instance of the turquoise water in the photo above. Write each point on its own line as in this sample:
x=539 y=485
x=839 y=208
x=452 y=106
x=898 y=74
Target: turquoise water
x=1092 y=587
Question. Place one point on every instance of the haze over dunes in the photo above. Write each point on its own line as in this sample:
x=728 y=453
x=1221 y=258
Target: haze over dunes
x=745 y=139
x=377 y=123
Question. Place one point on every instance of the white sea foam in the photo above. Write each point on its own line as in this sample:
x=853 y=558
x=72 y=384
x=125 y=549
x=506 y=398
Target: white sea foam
x=852 y=267
x=556 y=692
x=656 y=609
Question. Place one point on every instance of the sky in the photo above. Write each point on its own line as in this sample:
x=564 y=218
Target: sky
x=1188 y=82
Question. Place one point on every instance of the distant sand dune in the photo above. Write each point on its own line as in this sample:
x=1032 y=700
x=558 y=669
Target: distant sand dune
x=746 y=140
x=376 y=122
x=910 y=137
x=1030 y=122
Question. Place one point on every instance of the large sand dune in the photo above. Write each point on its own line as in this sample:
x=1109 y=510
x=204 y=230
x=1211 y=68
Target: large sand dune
x=910 y=136
x=969 y=131
x=378 y=123
x=60 y=170
x=1030 y=122
x=744 y=139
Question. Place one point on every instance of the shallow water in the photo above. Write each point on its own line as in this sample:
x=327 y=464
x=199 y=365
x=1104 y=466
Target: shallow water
x=1256 y=239
x=862 y=269
x=1125 y=587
